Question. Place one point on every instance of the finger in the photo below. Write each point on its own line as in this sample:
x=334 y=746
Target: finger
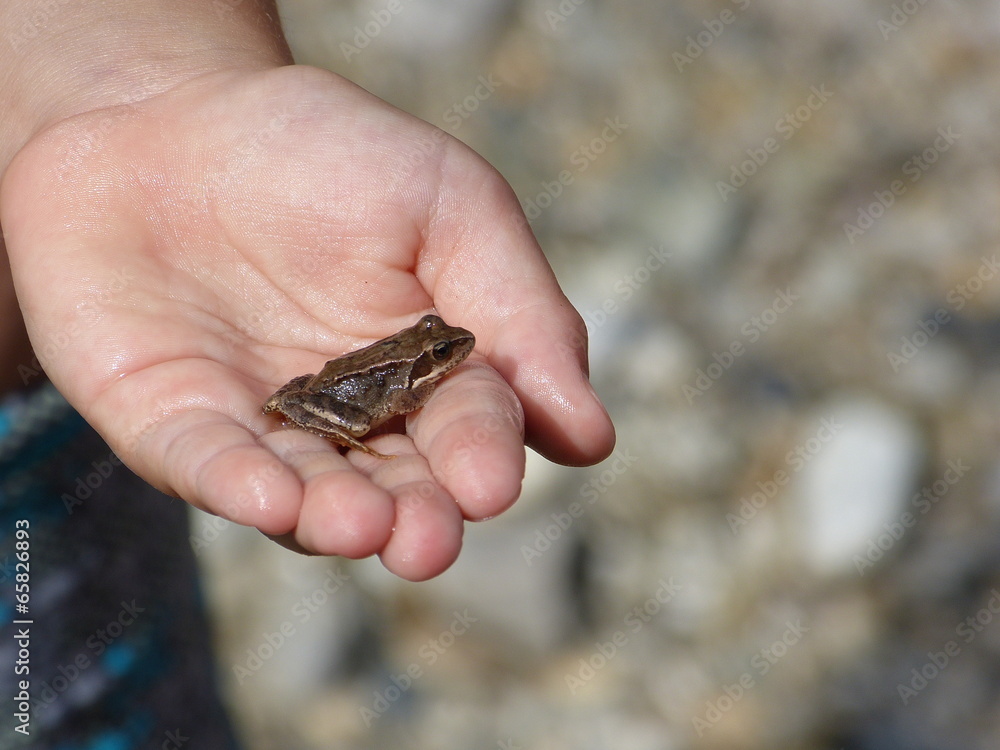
x=343 y=512
x=524 y=324
x=427 y=535
x=542 y=351
x=183 y=425
x=472 y=432
x=218 y=466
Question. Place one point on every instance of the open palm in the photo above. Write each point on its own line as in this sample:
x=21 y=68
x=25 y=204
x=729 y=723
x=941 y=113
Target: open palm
x=179 y=258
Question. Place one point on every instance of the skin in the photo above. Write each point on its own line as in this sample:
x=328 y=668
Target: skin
x=190 y=221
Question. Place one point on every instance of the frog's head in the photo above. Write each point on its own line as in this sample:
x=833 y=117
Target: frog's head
x=443 y=347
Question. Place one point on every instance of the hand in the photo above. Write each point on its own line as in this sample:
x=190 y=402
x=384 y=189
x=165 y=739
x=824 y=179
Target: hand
x=179 y=258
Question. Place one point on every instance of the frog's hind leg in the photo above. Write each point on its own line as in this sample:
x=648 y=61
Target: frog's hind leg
x=353 y=442
x=331 y=423
x=343 y=438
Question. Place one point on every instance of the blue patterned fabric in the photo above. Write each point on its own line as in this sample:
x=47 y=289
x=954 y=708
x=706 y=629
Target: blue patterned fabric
x=119 y=646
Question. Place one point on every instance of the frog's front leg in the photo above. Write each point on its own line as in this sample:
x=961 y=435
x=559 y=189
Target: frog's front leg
x=326 y=416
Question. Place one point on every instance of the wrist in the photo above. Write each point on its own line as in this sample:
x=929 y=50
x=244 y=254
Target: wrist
x=61 y=58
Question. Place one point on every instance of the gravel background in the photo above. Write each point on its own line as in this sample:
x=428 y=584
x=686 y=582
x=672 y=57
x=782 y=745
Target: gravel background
x=780 y=221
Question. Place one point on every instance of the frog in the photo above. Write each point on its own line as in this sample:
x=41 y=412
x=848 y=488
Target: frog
x=360 y=390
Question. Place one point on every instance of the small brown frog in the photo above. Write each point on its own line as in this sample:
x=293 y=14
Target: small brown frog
x=358 y=391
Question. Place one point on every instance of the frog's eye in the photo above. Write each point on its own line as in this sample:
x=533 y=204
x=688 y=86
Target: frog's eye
x=441 y=350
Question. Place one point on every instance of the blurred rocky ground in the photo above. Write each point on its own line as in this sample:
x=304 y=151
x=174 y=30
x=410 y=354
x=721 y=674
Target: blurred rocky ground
x=780 y=221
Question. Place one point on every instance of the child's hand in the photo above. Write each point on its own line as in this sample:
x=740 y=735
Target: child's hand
x=178 y=259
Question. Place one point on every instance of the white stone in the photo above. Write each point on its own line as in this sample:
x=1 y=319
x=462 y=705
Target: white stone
x=849 y=487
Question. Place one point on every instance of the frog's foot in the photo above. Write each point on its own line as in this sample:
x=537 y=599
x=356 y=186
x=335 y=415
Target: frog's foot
x=346 y=439
x=342 y=438
x=359 y=446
